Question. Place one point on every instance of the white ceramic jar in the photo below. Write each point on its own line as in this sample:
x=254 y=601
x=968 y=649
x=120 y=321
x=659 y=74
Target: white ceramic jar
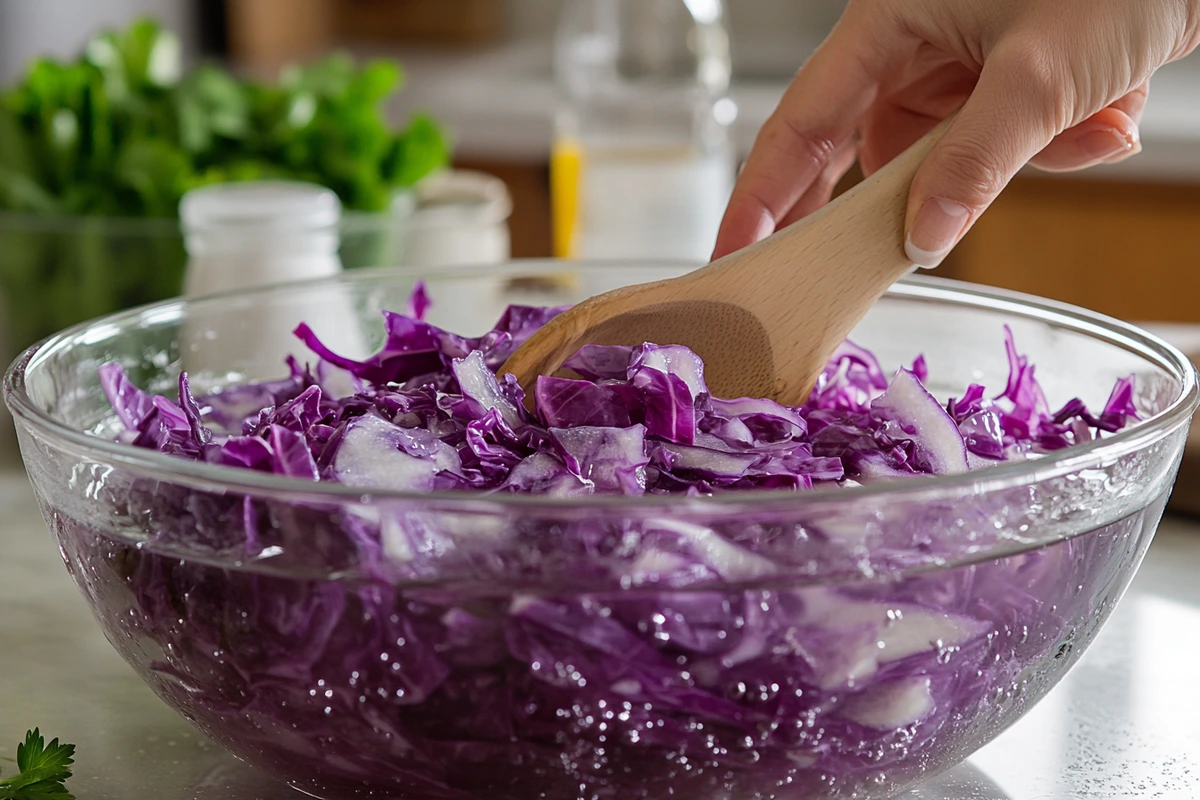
x=460 y=219
x=242 y=236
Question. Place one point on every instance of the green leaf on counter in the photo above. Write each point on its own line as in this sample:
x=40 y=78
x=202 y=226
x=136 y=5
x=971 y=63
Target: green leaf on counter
x=43 y=770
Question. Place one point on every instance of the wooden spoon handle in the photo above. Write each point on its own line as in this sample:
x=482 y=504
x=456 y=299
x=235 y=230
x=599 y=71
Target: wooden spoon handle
x=767 y=318
x=833 y=264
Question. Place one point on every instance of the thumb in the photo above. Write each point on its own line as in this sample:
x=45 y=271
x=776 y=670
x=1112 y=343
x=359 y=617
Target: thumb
x=1009 y=118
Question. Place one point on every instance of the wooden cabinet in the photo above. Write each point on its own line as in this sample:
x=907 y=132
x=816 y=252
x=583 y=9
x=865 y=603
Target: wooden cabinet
x=1131 y=250
x=263 y=34
x=444 y=21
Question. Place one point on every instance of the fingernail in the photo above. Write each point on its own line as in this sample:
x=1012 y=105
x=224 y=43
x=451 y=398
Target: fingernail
x=936 y=230
x=1133 y=151
x=1104 y=144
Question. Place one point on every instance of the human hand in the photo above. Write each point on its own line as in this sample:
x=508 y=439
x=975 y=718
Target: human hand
x=1059 y=83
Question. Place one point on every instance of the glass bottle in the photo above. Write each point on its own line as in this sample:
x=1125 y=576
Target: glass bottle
x=642 y=163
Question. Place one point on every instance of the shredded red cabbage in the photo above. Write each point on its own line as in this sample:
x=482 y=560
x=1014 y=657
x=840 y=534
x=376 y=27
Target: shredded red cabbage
x=431 y=413
x=684 y=661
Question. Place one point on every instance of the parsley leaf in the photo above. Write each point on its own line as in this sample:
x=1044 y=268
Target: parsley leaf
x=43 y=770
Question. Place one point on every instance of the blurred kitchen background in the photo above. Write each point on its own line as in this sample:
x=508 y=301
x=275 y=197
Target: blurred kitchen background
x=1120 y=239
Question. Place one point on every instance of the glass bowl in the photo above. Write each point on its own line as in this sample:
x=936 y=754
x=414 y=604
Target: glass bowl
x=843 y=642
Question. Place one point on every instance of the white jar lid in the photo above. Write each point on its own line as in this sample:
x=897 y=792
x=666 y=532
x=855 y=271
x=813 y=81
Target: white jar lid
x=461 y=199
x=262 y=205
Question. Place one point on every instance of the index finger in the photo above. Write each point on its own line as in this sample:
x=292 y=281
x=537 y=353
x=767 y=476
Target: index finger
x=819 y=113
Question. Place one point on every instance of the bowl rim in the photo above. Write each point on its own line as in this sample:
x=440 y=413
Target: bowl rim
x=212 y=477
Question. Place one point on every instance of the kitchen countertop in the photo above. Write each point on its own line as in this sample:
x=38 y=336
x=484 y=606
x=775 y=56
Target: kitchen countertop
x=1120 y=725
x=499 y=103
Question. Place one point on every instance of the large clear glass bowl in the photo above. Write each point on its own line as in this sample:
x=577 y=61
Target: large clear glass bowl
x=509 y=648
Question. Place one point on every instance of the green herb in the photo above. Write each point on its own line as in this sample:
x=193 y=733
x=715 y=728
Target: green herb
x=43 y=770
x=122 y=132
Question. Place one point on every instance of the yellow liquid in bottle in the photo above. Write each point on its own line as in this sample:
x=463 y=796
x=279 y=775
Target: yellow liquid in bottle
x=566 y=176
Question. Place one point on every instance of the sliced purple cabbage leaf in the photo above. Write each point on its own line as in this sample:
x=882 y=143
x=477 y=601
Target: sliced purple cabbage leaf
x=429 y=382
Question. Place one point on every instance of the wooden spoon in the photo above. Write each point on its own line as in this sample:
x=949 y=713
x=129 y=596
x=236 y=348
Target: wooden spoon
x=765 y=319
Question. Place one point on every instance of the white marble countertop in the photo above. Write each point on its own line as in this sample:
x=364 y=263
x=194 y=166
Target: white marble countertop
x=1122 y=724
x=499 y=103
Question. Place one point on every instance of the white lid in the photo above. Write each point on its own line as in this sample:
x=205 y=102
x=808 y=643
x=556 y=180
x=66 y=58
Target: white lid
x=263 y=205
x=461 y=198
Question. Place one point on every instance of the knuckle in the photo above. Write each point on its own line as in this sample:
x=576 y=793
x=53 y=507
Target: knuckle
x=969 y=166
x=810 y=148
x=1040 y=78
